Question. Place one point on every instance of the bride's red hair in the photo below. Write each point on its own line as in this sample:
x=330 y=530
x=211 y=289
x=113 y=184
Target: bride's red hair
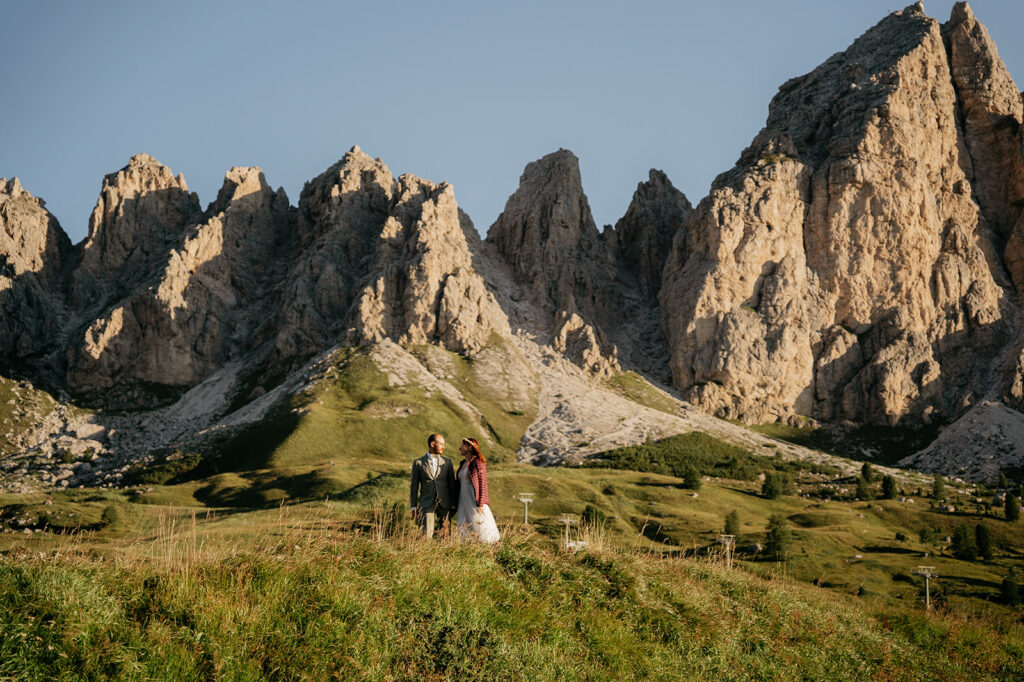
x=475 y=447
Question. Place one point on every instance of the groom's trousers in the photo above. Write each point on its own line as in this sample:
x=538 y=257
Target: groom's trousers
x=434 y=519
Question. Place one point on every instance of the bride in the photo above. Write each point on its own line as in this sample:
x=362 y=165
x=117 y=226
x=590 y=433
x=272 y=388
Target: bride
x=474 y=513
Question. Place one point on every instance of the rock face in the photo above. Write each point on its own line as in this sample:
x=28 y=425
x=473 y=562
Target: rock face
x=547 y=235
x=843 y=268
x=384 y=258
x=643 y=236
x=176 y=327
x=599 y=290
x=34 y=252
x=141 y=211
x=255 y=282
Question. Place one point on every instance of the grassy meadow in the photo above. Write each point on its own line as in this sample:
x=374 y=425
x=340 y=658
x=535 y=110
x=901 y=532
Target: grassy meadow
x=311 y=592
x=286 y=552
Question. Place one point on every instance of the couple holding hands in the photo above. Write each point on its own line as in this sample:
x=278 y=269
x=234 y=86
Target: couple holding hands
x=439 y=493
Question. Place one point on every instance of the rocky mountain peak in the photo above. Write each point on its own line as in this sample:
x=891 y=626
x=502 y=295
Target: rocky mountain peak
x=141 y=210
x=34 y=252
x=240 y=182
x=13 y=189
x=422 y=286
x=842 y=269
x=548 y=235
x=991 y=112
x=643 y=236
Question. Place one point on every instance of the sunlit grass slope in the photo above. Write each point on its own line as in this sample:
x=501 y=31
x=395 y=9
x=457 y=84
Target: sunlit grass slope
x=306 y=596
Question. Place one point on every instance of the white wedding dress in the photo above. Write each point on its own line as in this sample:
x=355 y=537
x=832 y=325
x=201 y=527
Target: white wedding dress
x=474 y=523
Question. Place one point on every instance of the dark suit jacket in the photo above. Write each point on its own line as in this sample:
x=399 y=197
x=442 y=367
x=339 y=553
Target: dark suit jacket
x=428 y=493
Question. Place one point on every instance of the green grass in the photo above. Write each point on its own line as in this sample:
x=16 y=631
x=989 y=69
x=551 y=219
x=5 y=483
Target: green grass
x=632 y=386
x=230 y=591
x=312 y=600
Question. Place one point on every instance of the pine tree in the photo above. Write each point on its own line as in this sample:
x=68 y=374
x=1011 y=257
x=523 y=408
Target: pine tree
x=868 y=472
x=691 y=478
x=938 y=487
x=1003 y=483
x=983 y=540
x=888 y=487
x=963 y=544
x=1011 y=588
x=732 y=523
x=1012 y=507
x=779 y=537
x=864 y=491
x=774 y=485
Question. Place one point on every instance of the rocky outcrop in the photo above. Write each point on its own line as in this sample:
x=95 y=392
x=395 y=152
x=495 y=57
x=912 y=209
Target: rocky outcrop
x=598 y=291
x=843 y=269
x=33 y=254
x=991 y=112
x=548 y=236
x=343 y=211
x=255 y=282
x=643 y=236
x=142 y=210
x=177 y=327
x=385 y=258
x=422 y=287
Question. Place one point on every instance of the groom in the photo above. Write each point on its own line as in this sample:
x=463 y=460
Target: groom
x=434 y=492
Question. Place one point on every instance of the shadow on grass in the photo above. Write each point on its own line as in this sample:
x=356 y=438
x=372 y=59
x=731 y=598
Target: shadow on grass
x=267 y=489
x=883 y=549
x=967 y=580
x=655 y=484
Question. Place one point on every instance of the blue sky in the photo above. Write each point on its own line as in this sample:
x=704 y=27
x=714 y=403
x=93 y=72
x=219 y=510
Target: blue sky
x=465 y=92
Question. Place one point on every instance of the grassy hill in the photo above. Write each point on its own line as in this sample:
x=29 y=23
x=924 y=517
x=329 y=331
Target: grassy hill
x=309 y=592
x=285 y=551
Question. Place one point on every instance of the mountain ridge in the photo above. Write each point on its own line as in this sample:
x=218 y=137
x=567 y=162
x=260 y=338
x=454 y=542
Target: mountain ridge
x=861 y=262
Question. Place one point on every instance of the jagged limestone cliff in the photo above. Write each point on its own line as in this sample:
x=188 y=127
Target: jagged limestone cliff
x=844 y=267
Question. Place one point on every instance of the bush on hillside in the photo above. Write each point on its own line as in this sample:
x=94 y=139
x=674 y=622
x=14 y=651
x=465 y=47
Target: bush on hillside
x=983 y=541
x=888 y=487
x=776 y=484
x=963 y=544
x=779 y=540
x=111 y=515
x=732 y=523
x=1012 y=507
x=1010 y=589
x=864 y=491
x=691 y=478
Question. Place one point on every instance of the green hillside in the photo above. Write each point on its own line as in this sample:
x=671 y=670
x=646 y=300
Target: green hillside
x=286 y=551
x=310 y=593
